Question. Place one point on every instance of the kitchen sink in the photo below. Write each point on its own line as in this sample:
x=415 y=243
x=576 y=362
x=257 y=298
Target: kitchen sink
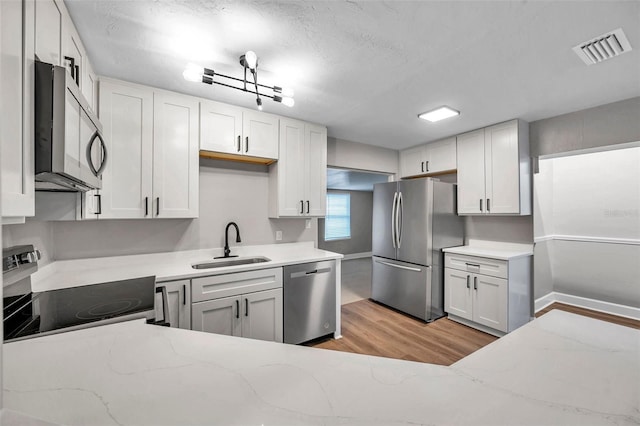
x=230 y=262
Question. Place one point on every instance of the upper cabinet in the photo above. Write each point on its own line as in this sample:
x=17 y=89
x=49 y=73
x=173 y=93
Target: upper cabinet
x=237 y=132
x=430 y=159
x=152 y=140
x=17 y=109
x=494 y=173
x=298 y=181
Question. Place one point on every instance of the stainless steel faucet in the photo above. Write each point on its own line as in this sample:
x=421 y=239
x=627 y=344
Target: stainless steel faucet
x=227 y=250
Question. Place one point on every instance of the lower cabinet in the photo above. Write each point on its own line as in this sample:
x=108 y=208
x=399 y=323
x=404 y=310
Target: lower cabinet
x=244 y=304
x=493 y=295
x=255 y=315
x=179 y=301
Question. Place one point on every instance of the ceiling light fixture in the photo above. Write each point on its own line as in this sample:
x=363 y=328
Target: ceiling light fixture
x=249 y=61
x=439 y=114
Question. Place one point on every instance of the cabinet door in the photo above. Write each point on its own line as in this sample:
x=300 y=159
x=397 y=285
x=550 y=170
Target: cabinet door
x=262 y=315
x=315 y=179
x=260 y=133
x=175 y=156
x=126 y=114
x=89 y=85
x=72 y=50
x=220 y=316
x=221 y=128
x=291 y=169
x=48 y=28
x=441 y=156
x=471 y=173
x=412 y=161
x=16 y=108
x=490 y=301
x=179 y=298
x=502 y=168
x=457 y=293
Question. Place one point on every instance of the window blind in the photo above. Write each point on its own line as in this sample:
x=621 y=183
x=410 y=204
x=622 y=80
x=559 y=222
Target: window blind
x=337 y=225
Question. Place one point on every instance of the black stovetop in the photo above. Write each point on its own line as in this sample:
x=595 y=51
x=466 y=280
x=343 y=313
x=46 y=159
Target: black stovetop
x=32 y=314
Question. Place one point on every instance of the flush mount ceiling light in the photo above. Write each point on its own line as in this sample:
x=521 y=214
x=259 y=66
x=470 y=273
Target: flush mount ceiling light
x=439 y=114
x=249 y=61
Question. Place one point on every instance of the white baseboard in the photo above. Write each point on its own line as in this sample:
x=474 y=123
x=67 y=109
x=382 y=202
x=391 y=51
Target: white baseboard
x=357 y=255
x=583 y=302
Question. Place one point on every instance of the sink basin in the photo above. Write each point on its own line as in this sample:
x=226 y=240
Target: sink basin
x=221 y=263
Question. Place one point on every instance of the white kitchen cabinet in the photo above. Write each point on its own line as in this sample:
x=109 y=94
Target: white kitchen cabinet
x=238 y=131
x=246 y=304
x=494 y=173
x=430 y=159
x=48 y=31
x=152 y=146
x=17 y=44
x=298 y=181
x=179 y=303
x=492 y=295
x=73 y=53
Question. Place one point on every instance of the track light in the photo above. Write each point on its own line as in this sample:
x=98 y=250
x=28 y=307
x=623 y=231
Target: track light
x=249 y=61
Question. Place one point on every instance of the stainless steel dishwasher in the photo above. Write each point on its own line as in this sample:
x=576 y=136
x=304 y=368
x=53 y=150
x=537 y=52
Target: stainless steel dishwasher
x=309 y=301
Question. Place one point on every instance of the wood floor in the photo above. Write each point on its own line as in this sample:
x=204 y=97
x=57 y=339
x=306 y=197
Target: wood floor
x=372 y=329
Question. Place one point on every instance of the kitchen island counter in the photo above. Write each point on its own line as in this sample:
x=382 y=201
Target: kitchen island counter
x=559 y=369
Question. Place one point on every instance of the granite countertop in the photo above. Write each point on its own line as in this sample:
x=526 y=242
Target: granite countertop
x=559 y=369
x=493 y=249
x=169 y=266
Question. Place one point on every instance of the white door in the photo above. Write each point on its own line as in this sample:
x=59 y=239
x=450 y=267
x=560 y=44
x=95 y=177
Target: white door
x=179 y=300
x=175 y=156
x=315 y=159
x=48 y=28
x=457 y=293
x=471 y=173
x=16 y=109
x=220 y=316
x=441 y=155
x=291 y=168
x=412 y=161
x=262 y=315
x=260 y=133
x=220 y=128
x=502 y=168
x=126 y=114
x=490 y=301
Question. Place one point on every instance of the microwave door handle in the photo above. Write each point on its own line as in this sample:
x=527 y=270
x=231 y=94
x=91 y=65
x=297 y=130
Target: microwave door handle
x=97 y=172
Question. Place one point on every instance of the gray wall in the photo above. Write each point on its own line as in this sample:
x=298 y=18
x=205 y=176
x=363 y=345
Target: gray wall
x=361 y=223
x=354 y=155
x=228 y=192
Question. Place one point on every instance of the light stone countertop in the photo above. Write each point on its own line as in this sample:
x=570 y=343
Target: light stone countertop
x=493 y=249
x=169 y=266
x=561 y=369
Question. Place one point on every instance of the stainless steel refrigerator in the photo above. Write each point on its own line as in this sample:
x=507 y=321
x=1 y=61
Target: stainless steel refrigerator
x=413 y=221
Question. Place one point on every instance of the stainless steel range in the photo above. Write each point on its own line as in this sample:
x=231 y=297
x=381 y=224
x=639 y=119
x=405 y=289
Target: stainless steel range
x=29 y=314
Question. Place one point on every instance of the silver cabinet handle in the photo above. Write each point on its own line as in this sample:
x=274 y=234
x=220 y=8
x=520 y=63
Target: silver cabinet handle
x=472 y=264
x=468 y=286
x=475 y=283
x=480 y=204
x=239 y=143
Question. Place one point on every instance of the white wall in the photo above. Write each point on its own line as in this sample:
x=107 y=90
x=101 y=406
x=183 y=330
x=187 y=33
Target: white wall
x=587 y=226
x=228 y=192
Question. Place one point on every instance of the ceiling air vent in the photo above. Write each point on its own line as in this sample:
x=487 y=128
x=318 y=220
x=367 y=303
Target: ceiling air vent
x=603 y=47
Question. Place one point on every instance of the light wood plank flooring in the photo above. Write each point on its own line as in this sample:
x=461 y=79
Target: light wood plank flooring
x=372 y=329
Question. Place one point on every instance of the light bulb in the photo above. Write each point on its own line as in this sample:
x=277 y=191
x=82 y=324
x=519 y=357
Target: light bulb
x=193 y=72
x=259 y=102
x=288 y=101
x=251 y=59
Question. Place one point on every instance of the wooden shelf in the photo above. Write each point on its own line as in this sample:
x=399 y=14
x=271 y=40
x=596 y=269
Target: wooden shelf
x=235 y=157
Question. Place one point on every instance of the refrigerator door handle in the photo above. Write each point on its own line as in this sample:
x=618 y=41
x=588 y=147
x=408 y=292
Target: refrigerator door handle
x=399 y=216
x=393 y=219
x=393 y=265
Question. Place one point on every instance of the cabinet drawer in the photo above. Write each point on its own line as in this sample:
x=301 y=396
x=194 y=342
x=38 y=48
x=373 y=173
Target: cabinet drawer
x=227 y=285
x=476 y=264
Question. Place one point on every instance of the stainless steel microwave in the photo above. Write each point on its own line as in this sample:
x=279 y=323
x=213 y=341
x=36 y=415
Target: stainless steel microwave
x=70 y=153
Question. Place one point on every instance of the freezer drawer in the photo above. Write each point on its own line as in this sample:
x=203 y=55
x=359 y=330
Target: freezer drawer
x=403 y=286
x=309 y=301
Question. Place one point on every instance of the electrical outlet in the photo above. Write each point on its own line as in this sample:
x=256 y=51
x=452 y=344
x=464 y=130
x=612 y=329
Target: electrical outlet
x=308 y=224
x=278 y=235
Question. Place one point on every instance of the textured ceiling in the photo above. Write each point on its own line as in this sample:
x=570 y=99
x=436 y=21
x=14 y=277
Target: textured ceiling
x=366 y=69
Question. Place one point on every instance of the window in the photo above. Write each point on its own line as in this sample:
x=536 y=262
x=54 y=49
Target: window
x=337 y=224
